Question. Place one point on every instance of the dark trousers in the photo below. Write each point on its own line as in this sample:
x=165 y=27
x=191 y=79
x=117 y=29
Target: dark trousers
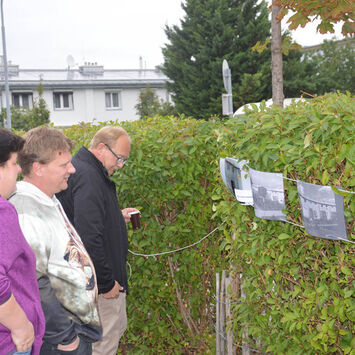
x=84 y=348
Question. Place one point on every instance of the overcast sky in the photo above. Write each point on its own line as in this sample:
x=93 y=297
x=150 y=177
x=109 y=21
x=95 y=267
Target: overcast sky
x=113 y=33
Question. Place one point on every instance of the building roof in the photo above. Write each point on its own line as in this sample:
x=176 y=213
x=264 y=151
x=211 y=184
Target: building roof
x=84 y=76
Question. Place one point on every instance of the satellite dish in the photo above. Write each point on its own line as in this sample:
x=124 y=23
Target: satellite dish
x=70 y=61
x=225 y=73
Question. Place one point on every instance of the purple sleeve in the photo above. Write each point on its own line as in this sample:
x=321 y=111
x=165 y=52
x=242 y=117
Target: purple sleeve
x=5 y=299
x=8 y=225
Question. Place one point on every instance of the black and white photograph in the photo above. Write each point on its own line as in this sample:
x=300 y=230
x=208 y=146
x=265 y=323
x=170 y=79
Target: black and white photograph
x=227 y=174
x=236 y=179
x=243 y=179
x=322 y=211
x=230 y=173
x=245 y=197
x=268 y=194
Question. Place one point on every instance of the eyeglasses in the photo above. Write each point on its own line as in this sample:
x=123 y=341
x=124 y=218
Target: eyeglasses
x=119 y=159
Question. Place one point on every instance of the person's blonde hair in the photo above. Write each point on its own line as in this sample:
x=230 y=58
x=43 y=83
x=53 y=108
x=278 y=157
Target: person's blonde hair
x=107 y=135
x=41 y=145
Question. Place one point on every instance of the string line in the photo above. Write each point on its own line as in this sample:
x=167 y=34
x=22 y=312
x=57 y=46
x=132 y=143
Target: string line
x=286 y=178
x=176 y=250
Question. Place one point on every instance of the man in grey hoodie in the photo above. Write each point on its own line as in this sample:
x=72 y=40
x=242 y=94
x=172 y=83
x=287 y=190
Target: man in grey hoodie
x=65 y=272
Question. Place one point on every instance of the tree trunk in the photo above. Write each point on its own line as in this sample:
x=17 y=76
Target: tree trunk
x=276 y=58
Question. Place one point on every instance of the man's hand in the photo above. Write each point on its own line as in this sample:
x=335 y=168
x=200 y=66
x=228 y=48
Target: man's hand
x=114 y=292
x=70 y=347
x=125 y=212
x=23 y=337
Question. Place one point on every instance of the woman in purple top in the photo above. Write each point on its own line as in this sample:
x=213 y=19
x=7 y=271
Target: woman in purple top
x=21 y=318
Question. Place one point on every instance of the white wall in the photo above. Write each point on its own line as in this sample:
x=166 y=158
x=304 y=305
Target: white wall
x=68 y=117
x=89 y=105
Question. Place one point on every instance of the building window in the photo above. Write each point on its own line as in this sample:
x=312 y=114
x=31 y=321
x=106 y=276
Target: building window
x=112 y=100
x=63 y=100
x=22 y=99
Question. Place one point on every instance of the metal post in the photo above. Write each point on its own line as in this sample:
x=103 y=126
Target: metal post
x=229 y=92
x=218 y=337
x=229 y=317
x=222 y=311
x=245 y=349
x=4 y=56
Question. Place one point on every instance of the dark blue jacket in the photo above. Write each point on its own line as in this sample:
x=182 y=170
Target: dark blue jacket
x=91 y=204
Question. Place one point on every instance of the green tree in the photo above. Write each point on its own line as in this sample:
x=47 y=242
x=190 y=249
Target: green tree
x=150 y=105
x=298 y=72
x=39 y=114
x=24 y=118
x=305 y=11
x=211 y=31
x=329 y=68
x=334 y=67
x=252 y=88
x=328 y=12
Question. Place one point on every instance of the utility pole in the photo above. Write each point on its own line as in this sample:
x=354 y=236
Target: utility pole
x=6 y=74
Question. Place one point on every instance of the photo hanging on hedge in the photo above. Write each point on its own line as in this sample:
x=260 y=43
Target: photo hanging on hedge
x=227 y=173
x=322 y=211
x=268 y=194
x=236 y=179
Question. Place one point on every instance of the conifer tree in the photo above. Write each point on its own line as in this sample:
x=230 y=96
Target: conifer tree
x=213 y=30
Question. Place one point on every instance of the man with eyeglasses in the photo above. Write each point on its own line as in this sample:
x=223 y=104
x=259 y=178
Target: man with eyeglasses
x=91 y=204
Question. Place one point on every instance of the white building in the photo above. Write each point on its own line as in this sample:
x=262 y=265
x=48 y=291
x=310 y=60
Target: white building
x=84 y=94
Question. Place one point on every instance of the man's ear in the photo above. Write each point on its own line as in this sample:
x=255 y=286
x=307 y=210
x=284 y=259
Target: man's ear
x=37 y=169
x=101 y=147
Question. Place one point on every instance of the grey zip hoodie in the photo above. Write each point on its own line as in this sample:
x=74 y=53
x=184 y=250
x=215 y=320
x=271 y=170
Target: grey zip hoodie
x=65 y=272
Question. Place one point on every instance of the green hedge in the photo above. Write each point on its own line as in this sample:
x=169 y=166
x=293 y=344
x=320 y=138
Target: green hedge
x=299 y=289
x=170 y=177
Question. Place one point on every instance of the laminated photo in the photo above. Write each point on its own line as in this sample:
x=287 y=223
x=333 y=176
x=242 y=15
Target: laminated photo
x=222 y=166
x=236 y=179
x=322 y=211
x=268 y=194
x=245 y=197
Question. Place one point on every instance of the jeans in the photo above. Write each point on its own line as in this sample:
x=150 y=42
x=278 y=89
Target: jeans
x=84 y=348
x=27 y=352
